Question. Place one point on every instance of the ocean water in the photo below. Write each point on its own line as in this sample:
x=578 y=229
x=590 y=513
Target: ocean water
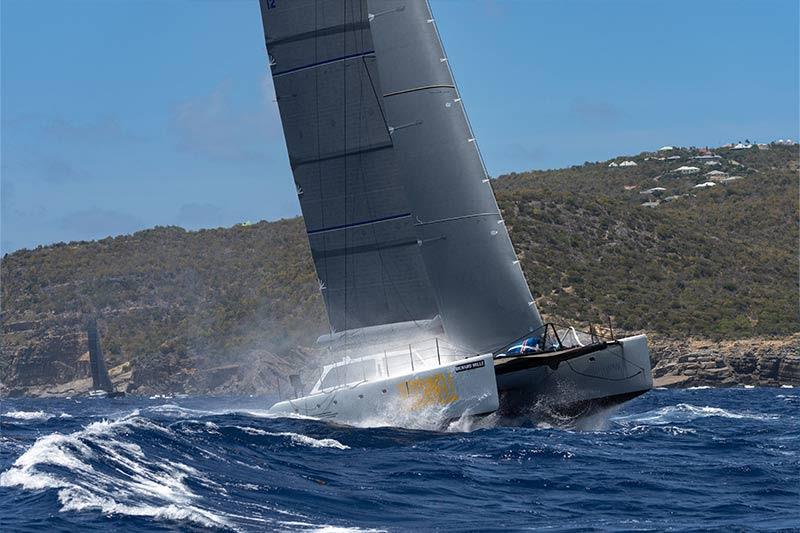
x=703 y=459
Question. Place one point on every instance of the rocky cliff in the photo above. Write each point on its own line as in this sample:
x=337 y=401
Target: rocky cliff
x=758 y=361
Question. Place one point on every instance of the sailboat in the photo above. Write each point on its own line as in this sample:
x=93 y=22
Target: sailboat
x=427 y=302
x=101 y=382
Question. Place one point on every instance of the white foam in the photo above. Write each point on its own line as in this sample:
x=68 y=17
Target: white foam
x=33 y=415
x=305 y=440
x=671 y=430
x=701 y=387
x=326 y=528
x=138 y=486
x=687 y=412
x=787 y=386
x=251 y=431
x=259 y=413
x=80 y=499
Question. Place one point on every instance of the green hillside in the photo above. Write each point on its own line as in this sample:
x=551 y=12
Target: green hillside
x=718 y=262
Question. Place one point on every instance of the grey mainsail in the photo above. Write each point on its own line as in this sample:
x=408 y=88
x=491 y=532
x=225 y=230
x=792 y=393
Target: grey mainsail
x=358 y=221
x=400 y=214
x=482 y=295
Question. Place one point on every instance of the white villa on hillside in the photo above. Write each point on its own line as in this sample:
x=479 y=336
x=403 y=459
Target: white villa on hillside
x=712 y=163
x=665 y=149
x=654 y=190
x=628 y=164
x=716 y=174
x=705 y=185
x=687 y=170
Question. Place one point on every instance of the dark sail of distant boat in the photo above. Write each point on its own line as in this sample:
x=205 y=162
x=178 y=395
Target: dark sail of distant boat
x=100 y=378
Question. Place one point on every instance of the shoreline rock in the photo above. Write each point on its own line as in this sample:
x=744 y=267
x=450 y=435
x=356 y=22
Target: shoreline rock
x=698 y=362
x=763 y=362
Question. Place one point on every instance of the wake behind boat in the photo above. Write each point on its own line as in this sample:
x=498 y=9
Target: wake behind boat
x=427 y=302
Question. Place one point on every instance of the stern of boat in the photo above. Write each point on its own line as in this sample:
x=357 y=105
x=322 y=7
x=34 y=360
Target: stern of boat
x=576 y=378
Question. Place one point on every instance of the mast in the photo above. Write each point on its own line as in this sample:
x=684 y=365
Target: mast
x=481 y=291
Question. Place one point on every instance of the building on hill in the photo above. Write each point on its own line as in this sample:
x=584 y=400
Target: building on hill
x=628 y=164
x=654 y=190
x=705 y=185
x=687 y=170
x=712 y=163
x=716 y=175
x=674 y=197
x=673 y=157
x=665 y=148
x=612 y=164
x=786 y=142
x=741 y=146
x=651 y=204
x=731 y=178
x=706 y=156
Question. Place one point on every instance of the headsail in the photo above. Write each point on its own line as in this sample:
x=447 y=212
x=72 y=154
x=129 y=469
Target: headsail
x=481 y=291
x=358 y=221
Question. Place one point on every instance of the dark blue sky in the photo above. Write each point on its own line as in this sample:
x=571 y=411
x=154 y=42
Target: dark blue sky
x=118 y=116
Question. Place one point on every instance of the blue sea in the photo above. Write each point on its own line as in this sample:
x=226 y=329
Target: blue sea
x=703 y=459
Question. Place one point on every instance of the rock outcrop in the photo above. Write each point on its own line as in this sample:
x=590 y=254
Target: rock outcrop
x=759 y=362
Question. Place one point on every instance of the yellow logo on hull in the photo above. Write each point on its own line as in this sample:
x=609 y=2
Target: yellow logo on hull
x=429 y=390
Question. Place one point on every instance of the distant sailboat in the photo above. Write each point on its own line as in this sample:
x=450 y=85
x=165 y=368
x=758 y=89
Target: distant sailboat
x=425 y=296
x=101 y=382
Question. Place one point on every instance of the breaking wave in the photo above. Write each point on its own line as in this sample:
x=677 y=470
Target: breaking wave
x=93 y=467
x=684 y=412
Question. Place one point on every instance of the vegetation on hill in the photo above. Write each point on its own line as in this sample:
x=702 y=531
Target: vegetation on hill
x=717 y=262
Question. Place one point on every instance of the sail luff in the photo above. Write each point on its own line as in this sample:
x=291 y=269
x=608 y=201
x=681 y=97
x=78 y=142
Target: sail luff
x=481 y=291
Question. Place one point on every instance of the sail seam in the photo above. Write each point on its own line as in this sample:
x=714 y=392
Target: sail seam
x=415 y=89
x=420 y=223
x=363 y=223
x=336 y=155
x=336 y=252
x=321 y=63
x=322 y=32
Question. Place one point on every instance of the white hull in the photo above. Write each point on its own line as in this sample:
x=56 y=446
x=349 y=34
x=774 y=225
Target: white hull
x=480 y=385
x=618 y=372
x=458 y=388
